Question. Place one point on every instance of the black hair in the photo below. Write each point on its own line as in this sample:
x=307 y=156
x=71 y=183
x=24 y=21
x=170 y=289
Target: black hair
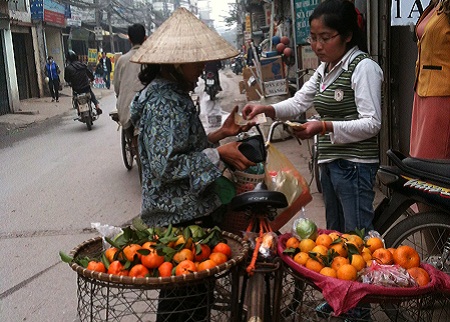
x=148 y=73
x=136 y=33
x=49 y=57
x=341 y=16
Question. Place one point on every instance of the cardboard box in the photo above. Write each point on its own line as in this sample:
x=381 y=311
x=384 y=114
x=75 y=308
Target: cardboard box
x=276 y=87
x=248 y=72
x=251 y=91
x=241 y=87
x=272 y=68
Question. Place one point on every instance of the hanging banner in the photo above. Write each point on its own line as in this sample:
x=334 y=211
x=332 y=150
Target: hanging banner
x=407 y=12
x=303 y=9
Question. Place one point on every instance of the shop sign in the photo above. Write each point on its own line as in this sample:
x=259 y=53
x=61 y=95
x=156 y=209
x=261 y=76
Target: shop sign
x=48 y=11
x=407 y=12
x=276 y=87
x=92 y=55
x=303 y=9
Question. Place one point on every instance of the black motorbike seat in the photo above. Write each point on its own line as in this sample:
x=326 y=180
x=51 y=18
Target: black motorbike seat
x=258 y=197
x=437 y=170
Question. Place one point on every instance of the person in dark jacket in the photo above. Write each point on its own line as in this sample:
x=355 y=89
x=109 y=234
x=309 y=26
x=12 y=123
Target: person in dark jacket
x=106 y=67
x=79 y=77
x=52 y=72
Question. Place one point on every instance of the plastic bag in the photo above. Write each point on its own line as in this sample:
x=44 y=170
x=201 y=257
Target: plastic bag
x=386 y=275
x=304 y=228
x=106 y=231
x=282 y=176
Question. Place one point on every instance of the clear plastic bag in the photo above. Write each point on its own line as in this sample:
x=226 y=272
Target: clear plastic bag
x=386 y=275
x=106 y=231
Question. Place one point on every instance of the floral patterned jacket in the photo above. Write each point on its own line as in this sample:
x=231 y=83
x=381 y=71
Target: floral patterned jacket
x=177 y=176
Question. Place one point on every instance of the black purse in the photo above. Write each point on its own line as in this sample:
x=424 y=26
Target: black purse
x=253 y=147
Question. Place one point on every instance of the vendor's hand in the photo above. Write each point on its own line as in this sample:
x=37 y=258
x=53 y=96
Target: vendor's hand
x=251 y=110
x=308 y=130
x=230 y=154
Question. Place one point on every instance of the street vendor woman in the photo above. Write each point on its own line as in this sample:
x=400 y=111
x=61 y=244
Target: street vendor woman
x=181 y=164
x=346 y=91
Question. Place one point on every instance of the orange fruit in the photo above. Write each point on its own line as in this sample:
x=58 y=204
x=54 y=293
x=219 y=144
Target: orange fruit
x=340 y=248
x=355 y=240
x=96 y=266
x=139 y=270
x=152 y=260
x=406 y=256
x=292 y=242
x=358 y=261
x=165 y=269
x=366 y=254
x=328 y=271
x=392 y=250
x=218 y=258
x=222 y=248
x=130 y=251
x=320 y=249
x=347 y=272
x=204 y=254
x=117 y=268
x=185 y=267
x=338 y=261
x=183 y=255
x=301 y=258
x=181 y=240
x=314 y=265
x=110 y=252
x=207 y=264
x=334 y=236
x=324 y=240
x=420 y=275
x=306 y=245
x=373 y=243
x=383 y=256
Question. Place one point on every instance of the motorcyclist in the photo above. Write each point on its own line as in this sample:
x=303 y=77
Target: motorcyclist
x=79 y=77
x=213 y=67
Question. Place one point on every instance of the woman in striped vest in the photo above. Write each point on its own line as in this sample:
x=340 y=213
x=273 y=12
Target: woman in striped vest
x=346 y=91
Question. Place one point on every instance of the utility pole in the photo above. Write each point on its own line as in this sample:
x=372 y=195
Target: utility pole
x=111 y=36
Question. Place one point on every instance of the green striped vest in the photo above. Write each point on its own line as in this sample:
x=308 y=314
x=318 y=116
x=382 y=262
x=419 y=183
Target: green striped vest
x=337 y=103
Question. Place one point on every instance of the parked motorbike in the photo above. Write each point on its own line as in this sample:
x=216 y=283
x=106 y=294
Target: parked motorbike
x=412 y=181
x=86 y=112
x=211 y=85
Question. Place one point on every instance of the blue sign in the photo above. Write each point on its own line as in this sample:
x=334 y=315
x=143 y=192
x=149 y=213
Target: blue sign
x=303 y=9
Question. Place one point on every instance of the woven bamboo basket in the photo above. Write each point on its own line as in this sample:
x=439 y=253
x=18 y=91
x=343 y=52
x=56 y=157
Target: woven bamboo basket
x=107 y=297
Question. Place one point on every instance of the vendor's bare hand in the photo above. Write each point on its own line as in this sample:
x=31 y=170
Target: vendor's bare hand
x=308 y=130
x=230 y=127
x=230 y=154
x=251 y=110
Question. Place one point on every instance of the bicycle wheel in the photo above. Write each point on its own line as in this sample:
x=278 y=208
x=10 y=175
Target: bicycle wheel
x=127 y=154
x=428 y=233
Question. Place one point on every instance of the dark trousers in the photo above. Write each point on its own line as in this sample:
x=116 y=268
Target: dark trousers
x=53 y=85
x=107 y=78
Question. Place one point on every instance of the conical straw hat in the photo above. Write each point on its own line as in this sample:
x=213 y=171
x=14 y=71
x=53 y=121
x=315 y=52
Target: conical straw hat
x=183 y=38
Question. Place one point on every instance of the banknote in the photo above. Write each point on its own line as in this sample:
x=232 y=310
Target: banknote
x=258 y=119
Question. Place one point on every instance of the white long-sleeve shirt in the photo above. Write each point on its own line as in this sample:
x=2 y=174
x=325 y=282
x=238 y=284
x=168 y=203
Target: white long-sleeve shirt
x=366 y=82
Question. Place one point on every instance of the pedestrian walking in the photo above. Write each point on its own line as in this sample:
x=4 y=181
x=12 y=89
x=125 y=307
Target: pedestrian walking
x=106 y=66
x=52 y=72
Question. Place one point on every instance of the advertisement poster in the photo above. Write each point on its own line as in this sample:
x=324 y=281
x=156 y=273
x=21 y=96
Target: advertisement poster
x=407 y=12
x=303 y=9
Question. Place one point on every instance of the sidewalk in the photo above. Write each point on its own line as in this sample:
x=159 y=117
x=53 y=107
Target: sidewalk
x=35 y=110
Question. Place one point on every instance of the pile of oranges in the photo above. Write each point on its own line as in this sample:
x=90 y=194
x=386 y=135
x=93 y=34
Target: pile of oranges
x=343 y=256
x=173 y=254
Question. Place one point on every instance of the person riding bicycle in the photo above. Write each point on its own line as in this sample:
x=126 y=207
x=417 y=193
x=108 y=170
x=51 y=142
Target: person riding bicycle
x=79 y=77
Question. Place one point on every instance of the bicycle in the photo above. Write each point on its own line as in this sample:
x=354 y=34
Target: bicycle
x=262 y=281
x=128 y=143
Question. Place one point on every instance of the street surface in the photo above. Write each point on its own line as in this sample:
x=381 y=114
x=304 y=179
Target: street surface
x=56 y=179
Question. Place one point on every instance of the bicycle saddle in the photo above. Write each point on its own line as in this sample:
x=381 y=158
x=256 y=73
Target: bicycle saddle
x=259 y=196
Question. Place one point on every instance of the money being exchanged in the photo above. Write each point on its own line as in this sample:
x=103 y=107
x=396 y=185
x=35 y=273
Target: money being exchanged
x=258 y=119
x=295 y=125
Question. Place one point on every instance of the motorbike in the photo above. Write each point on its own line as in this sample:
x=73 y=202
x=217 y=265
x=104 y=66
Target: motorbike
x=236 y=66
x=211 y=85
x=414 y=181
x=86 y=113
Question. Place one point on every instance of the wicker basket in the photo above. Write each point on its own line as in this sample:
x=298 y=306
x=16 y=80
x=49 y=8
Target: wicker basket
x=301 y=300
x=246 y=181
x=107 y=297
